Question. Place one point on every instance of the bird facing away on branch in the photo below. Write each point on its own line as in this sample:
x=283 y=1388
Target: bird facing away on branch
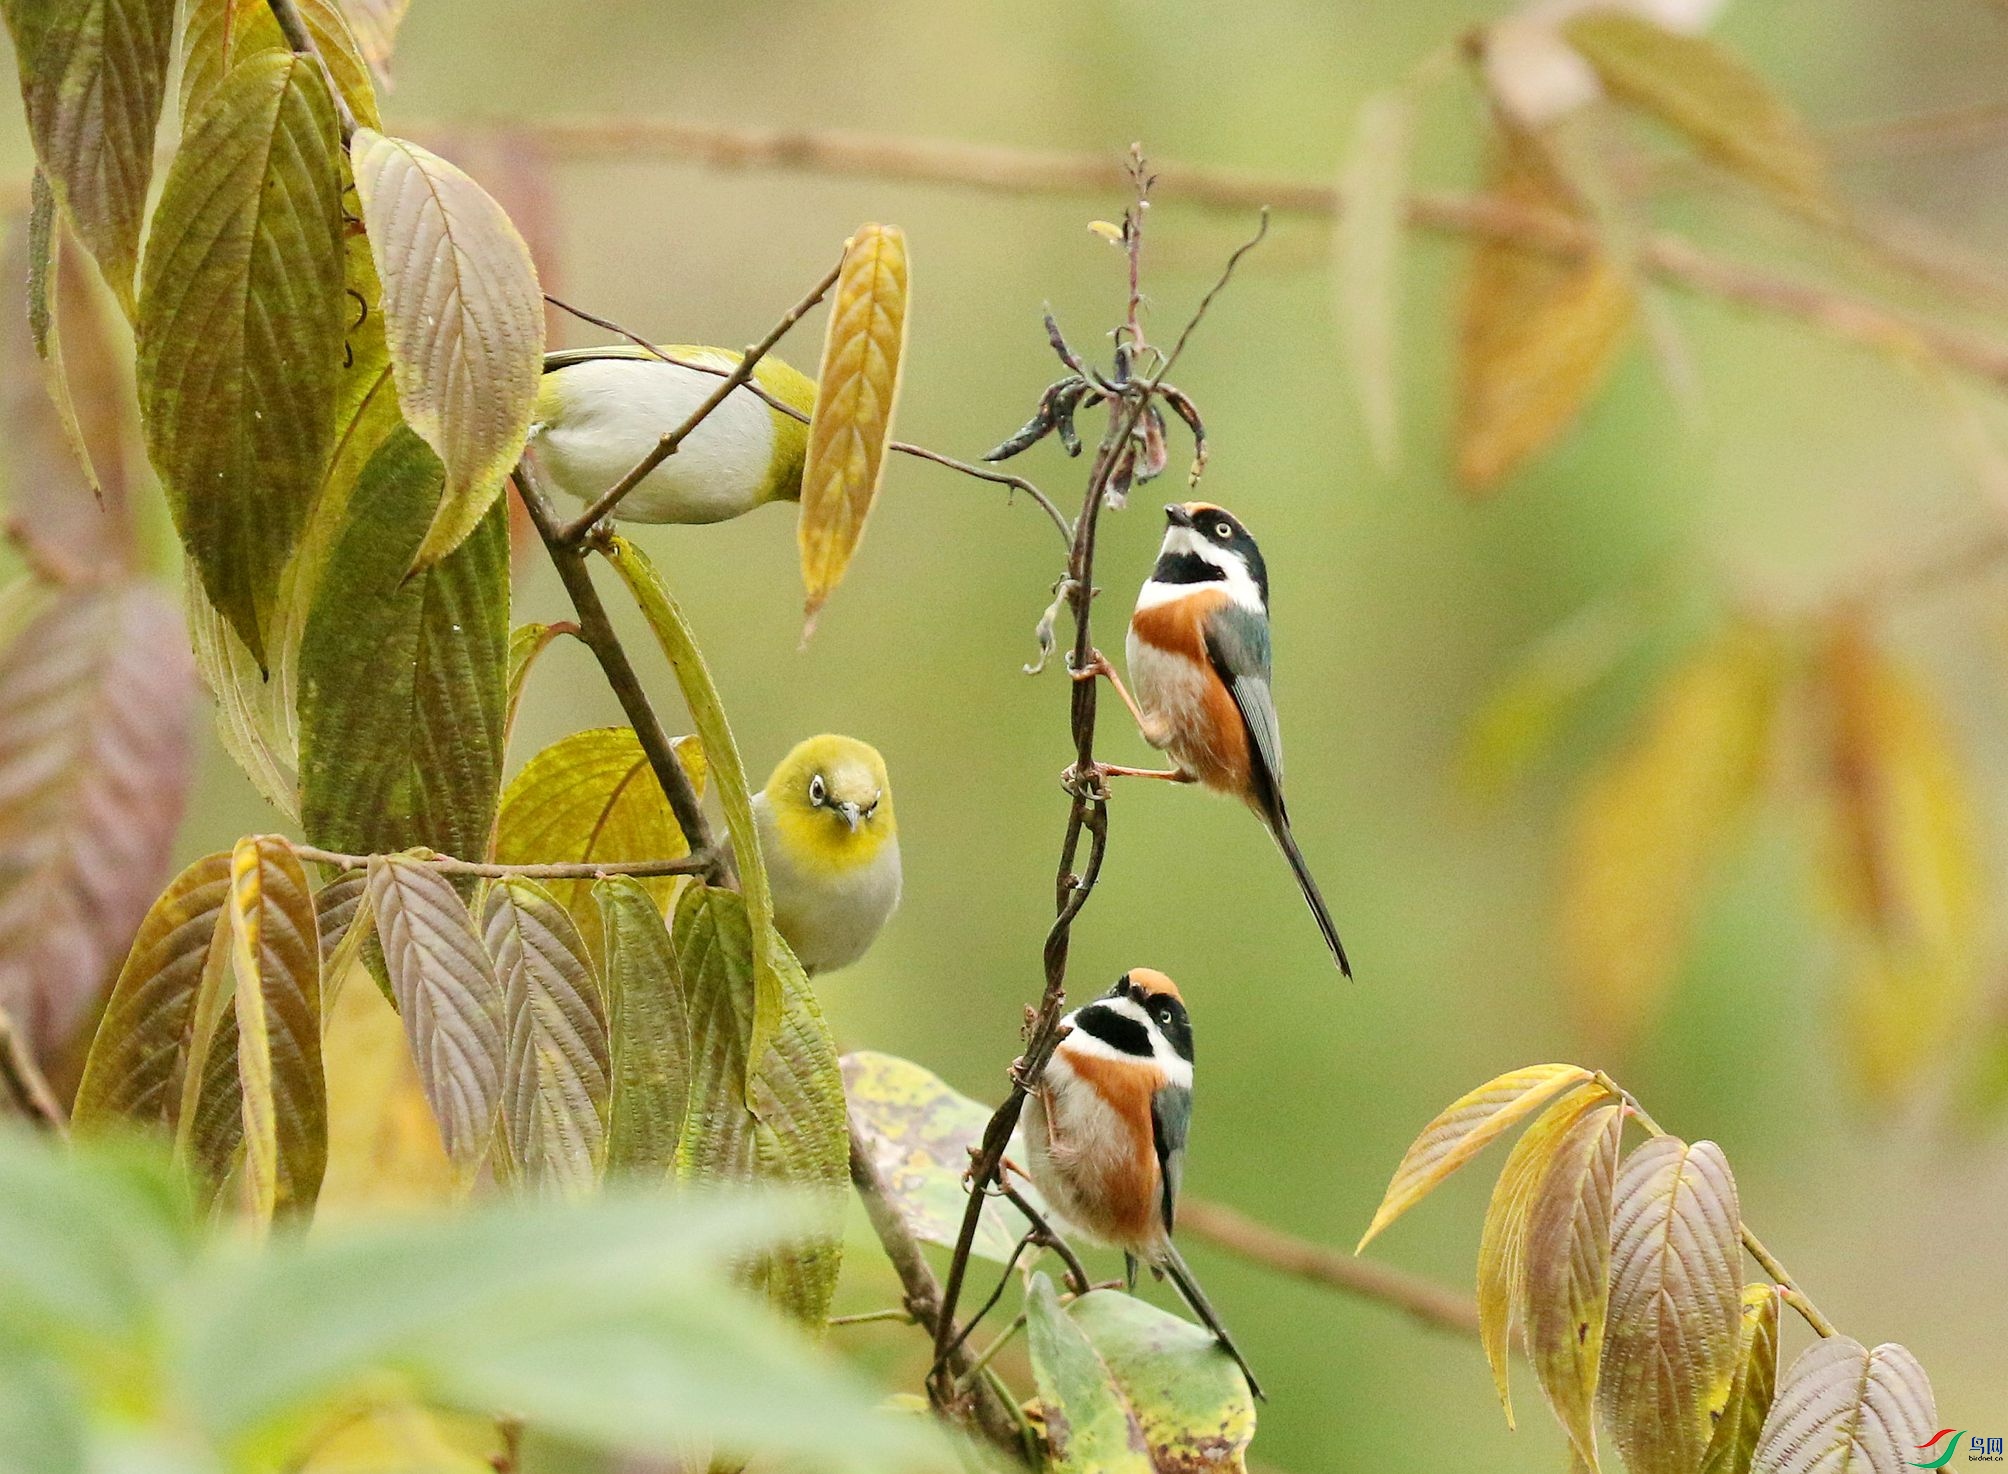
x=601 y=410
x=1106 y=1129
x=1199 y=658
x=831 y=846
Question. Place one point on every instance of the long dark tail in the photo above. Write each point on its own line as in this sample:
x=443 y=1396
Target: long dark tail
x=1287 y=842
x=1174 y=1266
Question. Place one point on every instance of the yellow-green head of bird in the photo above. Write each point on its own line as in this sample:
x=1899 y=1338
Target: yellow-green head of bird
x=831 y=803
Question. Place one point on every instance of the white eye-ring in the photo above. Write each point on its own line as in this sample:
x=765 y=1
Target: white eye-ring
x=817 y=792
x=1221 y=529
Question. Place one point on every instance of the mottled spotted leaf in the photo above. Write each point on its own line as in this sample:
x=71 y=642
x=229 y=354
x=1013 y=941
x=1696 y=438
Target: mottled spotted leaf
x=1189 y=1399
x=1088 y=1427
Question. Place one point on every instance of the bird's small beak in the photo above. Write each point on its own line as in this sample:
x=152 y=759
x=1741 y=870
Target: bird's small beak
x=1177 y=516
x=853 y=815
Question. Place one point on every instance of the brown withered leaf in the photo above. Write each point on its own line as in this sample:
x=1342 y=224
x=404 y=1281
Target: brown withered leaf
x=1904 y=866
x=95 y=698
x=857 y=390
x=1502 y=1246
x=1648 y=825
x=1538 y=333
x=1464 y=1129
x=1740 y=1419
x=1673 y=1328
x=1702 y=89
x=1844 y=1409
x=1568 y=1261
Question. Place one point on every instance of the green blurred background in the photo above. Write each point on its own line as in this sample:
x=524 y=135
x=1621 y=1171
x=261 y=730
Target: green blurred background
x=1397 y=601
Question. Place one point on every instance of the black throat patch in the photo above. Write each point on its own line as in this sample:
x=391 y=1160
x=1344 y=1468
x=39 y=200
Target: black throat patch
x=1186 y=568
x=1117 y=1030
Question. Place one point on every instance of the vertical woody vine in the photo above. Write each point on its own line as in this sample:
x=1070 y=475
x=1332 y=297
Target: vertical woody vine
x=1132 y=449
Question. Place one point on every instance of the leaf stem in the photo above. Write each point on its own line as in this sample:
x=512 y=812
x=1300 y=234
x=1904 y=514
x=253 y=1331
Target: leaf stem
x=25 y=1087
x=692 y=864
x=741 y=373
x=301 y=40
x=892 y=1314
x=781 y=406
x=598 y=633
x=1773 y=1266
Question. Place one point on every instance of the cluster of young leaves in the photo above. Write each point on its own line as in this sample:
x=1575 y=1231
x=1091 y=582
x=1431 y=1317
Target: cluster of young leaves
x=1624 y=1273
x=1759 y=709
x=1121 y=1386
x=133 y=1336
x=1542 y=323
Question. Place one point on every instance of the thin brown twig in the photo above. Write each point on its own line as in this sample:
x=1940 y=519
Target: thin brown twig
x=1247 y=1238
x=1046 y=1236
x=597 y=631
x=24 y=1083
x=981 y=1407
x=781 y=406
x=588 y=870
x=741 y=373
x=1669 y=258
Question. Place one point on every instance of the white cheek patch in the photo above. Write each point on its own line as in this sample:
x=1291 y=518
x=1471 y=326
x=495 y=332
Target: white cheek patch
x=1177 y=1071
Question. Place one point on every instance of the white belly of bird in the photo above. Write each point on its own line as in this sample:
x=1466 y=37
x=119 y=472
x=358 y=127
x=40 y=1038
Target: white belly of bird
x=1171 y=690
x=617 y=409
x=1077 y=1145
x=828 y=918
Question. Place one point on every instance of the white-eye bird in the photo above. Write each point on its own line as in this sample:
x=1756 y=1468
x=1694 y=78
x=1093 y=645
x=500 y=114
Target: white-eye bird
x=1198 y=656
x=1106 y=1129
x=600 y=410
x=831 y=845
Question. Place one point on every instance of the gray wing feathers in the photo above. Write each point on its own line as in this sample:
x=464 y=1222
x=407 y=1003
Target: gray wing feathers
x=1237 y=642
x=1171 y=1119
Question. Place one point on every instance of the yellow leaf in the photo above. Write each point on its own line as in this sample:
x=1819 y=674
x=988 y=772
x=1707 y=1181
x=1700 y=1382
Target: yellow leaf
x=1739 y=1417
x=384 y=1150
x=1903 y=862
x=1464 y=1130
x=1648 y=825
x=857 y=389
x=1502 y=1245
x=1568 y=1260
x=1539 y=331
x=1705 y=91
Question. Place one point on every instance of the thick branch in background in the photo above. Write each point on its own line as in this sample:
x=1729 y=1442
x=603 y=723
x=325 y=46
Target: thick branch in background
x=1669 y=258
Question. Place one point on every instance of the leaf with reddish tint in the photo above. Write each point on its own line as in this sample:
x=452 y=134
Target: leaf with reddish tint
x=95 y=697
x=1568 y=1260
x=1843 y=1409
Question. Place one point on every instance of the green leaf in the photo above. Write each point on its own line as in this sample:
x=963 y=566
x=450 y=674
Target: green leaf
x=221 y=34
x=1089 y=1428
x=555 y=1087
x=1676 y=1289
x=526 y=643
x=793 y=1130
x=401 y=680
x=275 y=954
x=449 y=999
x=649 y=1024
x=919 y=1132
x=1187 y=1396
x=255 y=718
x=1703 y=90
x=735 y=795
x=95 y=692
x=133 y=1073
x=1740 y=1420
x=464 y=318
x=1464 y=1129
x=592 y=797
x=42 y=1417
x=1844 y=1409
x=241 y=320
x=614 y=1323
x=93 y=77
x=1366 y=248
x=1568 y=1260
x=209 y=1119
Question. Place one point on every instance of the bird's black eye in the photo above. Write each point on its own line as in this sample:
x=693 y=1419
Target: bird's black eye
x=1222 y=531
x=817 y=792
x=1164 y=1013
